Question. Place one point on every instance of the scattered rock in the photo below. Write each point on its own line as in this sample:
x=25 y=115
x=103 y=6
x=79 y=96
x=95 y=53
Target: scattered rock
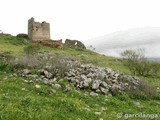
x=14 y=74
x=137 y=104
x=32 y=76
x=104 y=84
x=98 y=80
x=41 y=72
x=57 y=86
x=25 y=72
x=83 y=77
x=87 y=109
x=5 y=78
x=51 y=91
x=158 y=102
x=48 y=68
x=97 y=113
x=103 y=108
x=23 y=89
x=93 y=94
x=46 y=73
x=104 y=90
x=67 y=88
x=95 y=84
x=28 y=81
x=115 y=81
x=37 y=86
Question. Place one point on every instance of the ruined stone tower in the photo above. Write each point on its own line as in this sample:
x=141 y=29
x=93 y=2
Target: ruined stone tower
x=38 y=31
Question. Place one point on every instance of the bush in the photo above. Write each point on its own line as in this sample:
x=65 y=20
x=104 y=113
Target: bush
x=27 y=62
x=22 y=35
x=143 y=91
x=31 y=49
x=138 y=63
x=3 y=65
x=54 y=63
x=62 y=64
x=5 y=59
x=13 y=40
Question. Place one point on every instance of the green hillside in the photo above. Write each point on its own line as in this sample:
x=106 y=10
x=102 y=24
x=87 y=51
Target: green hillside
x=25 y=98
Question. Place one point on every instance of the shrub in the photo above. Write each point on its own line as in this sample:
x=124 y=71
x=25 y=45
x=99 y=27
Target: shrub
x=13 y=39
x=138 y=63
x=62 y=64
x=142 y=91
x=27 y=62
x=3 y=65
x=54 y=63
x=22 y=35
x=31 y=49
x=5 y=59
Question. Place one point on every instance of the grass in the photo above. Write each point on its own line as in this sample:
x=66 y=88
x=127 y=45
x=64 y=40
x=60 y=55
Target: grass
x=20 y=100
x=36 y=103
x=11 y=44
x=16 y=47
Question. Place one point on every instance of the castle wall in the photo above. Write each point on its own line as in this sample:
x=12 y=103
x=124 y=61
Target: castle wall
x=38 y=31
x=74 y=44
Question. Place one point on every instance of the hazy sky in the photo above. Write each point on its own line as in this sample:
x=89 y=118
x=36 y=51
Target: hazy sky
x=147 y=38
x=79 y=19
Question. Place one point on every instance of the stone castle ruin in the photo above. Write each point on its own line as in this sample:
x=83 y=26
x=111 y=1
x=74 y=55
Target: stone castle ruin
x=74 y=43
x=39 y=33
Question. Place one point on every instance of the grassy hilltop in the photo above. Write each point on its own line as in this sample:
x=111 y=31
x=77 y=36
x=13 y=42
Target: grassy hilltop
x=24 y=98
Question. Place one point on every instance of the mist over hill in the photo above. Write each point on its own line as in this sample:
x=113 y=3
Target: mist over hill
x=113 y=44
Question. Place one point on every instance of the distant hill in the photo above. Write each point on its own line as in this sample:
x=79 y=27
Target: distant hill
x=154 y=59
x=112 y=44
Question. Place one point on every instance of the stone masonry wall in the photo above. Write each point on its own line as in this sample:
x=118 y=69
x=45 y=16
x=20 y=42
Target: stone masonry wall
x=74 y=44
x=38 y=31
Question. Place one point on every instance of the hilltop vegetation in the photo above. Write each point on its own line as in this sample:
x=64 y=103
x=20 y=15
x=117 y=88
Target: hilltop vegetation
x=25 y=97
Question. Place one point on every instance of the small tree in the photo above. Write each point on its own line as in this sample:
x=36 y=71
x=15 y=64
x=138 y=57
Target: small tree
x=90 y=47
x=138 y=63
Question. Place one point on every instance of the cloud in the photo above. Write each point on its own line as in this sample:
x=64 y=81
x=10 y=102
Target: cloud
x=147 y=38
